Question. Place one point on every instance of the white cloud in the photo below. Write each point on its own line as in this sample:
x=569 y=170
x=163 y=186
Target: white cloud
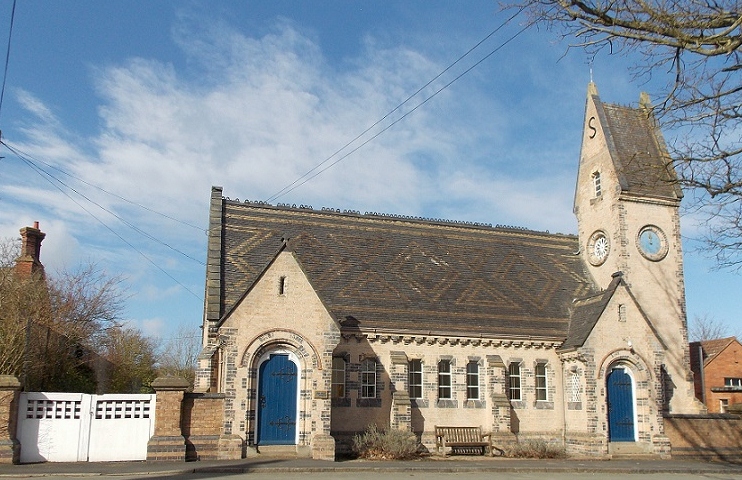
x=251 y=115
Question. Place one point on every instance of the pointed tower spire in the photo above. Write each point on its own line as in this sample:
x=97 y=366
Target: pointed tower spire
x=592 y=89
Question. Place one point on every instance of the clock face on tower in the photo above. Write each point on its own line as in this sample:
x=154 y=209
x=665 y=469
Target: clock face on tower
x=652 y=243
x=598 y=248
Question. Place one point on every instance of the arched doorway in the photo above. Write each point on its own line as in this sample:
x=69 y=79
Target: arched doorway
x=620 y=393
x=278 y=380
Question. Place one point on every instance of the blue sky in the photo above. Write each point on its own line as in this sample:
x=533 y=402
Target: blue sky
x=155 y=101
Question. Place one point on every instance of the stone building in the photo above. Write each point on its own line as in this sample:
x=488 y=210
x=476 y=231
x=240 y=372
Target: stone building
x=319 y=323
x=717 y=373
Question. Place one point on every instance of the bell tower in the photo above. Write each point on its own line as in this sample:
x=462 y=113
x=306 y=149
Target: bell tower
x=627 y=206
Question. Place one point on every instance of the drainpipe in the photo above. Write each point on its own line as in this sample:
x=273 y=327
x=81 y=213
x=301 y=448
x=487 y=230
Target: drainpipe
x=703 y=374
x=564 y=407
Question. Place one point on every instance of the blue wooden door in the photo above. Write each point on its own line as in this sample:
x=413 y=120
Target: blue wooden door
x=620 y=406
x=277 y=401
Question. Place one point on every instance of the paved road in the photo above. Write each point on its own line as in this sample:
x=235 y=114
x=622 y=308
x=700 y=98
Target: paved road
x=367 y=475
x=460 y=468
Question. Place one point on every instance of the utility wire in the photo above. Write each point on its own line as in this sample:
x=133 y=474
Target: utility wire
x=309 y=175
x=121 y=219
x=55 y=182
x=42 y=174
x=164 y=215
x=298 y=182
x=7 y=56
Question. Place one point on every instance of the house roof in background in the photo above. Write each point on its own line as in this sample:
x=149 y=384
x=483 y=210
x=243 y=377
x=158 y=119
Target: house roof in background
x=711 y=349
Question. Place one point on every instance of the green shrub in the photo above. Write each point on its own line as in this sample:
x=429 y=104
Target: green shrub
x=379 y=444
x=535 y=448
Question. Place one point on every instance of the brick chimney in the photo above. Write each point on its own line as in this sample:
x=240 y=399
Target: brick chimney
x=28 y=263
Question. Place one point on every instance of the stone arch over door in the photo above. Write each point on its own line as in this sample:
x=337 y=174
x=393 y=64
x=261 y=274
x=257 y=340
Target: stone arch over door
x=643 y=421
x=278 y=338
x=259 y=350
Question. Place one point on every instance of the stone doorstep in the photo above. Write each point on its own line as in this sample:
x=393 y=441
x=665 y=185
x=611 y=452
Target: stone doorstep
x=283 y=451
x=631 y=450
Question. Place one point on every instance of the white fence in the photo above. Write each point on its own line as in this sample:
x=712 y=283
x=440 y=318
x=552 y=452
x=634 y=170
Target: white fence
x=74 y=427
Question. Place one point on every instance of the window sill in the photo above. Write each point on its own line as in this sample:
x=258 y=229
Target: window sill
x=447 y=403
x=726 y=389
x=475 y=403
x=544 y=405
x=368 y=402
x=419 y=403
x=341 y=402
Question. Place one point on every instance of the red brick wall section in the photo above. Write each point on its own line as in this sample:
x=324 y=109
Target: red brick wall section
x=727 y=364
x=711 y=437
x=202 y=424
x=203 y=414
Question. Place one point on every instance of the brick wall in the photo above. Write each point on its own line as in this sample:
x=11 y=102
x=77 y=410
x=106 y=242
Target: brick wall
x=202 y=426
x=711 y=437
x=726 y=364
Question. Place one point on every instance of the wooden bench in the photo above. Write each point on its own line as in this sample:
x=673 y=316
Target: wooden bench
x=470 y=438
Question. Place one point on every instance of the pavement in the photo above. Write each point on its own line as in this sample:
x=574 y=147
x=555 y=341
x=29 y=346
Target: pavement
x=451 y=464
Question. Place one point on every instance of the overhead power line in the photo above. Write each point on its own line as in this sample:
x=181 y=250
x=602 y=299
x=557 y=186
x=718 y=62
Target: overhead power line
x=17 y=151
x=7 y=56
x=58 y=184
x=316 y=171
x=310 y=174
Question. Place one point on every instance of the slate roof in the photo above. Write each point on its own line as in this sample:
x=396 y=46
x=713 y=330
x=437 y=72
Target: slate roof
x=639 y=152
x=401 y=275
x=586 y=313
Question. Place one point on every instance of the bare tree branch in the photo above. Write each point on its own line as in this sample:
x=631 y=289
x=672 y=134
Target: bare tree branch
x=697 y=46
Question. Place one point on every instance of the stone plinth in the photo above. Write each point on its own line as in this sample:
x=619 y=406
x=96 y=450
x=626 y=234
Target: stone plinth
x=10 y=448
x=168 y=443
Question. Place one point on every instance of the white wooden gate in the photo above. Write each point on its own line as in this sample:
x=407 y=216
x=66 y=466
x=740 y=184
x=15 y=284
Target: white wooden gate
x=74 y=427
